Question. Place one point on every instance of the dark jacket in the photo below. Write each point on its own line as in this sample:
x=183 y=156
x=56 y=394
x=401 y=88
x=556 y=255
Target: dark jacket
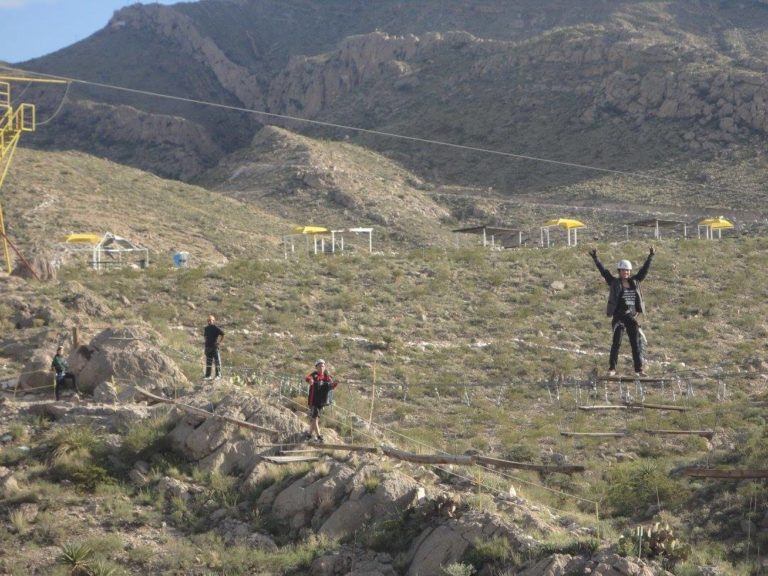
x=320 y=386
x=61 y=366
x=614 y=282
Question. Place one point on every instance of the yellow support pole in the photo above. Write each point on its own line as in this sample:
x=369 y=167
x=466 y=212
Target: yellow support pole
x=12 y=149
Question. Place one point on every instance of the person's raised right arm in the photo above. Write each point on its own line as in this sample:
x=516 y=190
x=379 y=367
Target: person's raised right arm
x=606 y=275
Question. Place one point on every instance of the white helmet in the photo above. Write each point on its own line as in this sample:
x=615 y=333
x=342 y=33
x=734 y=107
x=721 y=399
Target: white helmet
x=624 y=265
x=321 y=361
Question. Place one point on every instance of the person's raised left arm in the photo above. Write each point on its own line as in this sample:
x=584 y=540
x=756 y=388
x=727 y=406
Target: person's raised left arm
x=643 y=272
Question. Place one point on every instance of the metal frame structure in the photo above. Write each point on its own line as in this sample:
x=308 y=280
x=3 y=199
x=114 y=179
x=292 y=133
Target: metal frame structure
x=13 y=122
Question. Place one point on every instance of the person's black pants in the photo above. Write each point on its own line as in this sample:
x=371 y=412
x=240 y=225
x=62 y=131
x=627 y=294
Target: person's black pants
x=619 y=325
x=61 y=382
x=212 y=358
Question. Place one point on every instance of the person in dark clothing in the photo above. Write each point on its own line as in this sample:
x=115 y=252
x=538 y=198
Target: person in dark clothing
x=63 y=375
x=625 y=302
x=320 y=385
x=213 y=337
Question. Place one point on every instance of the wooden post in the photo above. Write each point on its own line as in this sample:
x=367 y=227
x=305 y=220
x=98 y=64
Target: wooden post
x=373 y=395
x=74 y=337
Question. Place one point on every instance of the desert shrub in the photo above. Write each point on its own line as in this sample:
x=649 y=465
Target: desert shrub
x=494 y=551
x=147 y=436
x=573 y=547
x=635 y=487
x=458 y=569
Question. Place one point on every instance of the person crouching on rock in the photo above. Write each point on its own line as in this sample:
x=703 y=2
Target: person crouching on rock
x=320 y=385
x=63 y=375
x=625 y=302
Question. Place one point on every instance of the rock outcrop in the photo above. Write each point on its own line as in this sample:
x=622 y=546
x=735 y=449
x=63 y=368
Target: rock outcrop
x=127 y=357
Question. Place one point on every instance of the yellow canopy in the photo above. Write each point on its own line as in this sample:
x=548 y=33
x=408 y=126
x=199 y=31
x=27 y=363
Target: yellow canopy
x=310 y=229
x=718 y=223
x=83 y=239
x=567 y=223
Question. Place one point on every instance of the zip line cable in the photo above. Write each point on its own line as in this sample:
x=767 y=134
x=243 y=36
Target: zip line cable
x=416 y=139
x=61 y=105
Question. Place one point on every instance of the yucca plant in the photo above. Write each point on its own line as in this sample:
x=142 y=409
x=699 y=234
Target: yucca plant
x=76 y=556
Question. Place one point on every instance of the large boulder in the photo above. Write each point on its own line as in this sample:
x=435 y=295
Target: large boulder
x=37 y=376
x=372 y=494
x=218 y=445
x=128 y=357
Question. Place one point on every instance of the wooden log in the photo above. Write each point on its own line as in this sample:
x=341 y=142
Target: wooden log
x=644 y=379
x=565 y=469
x=289 y=459
x=657 y=406
x=428 y=458
x=605 y=407
x=708 y=434
x=348 y=447
x=595 y=434
x=732 y=474
x=194 y=410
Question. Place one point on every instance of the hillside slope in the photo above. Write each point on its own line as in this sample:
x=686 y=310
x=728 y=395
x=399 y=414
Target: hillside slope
x=48 y=195
x=629 y=85
x=332 y=184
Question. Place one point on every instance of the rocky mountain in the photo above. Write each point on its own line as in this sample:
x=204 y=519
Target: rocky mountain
x=629 y=85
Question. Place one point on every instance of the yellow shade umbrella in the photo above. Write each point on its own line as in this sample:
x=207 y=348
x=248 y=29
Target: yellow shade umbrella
x=82 y=239
x=718 y=223
x=567 y=223
x=310 y=229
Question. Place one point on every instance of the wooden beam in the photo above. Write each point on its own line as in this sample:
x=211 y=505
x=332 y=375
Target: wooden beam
x=201 y=412
x=657 y=406
x=595 y=434
x=428 y=458
x=565 y=469
x=289 y=459
x=708 y=434
x=732 y=474
x=348 y=447
x=605 y=407
x=644 y=379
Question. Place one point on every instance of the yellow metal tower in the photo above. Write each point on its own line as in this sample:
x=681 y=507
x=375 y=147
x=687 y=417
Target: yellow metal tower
x=12 y=124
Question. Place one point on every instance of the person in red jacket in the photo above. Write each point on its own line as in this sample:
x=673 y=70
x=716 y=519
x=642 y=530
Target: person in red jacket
x=320 y=385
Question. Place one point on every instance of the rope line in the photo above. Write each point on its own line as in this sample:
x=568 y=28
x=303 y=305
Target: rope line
x=416 y=139
x=61 y=105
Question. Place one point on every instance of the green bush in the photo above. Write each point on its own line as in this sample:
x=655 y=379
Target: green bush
x=484 y=552
x=634 y=488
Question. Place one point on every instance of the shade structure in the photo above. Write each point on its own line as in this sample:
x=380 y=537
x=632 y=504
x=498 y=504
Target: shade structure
x=718 y=223
x=311 y=229
x=495 y=235
x=83 y=238
x=657 y=224
x=711 y=224
x=567 y=223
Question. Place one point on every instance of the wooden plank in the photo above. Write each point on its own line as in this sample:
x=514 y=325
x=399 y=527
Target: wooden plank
x=201 y=412
x=657 y=406
x=732 y=474
x=645 y=379
x=296 y=452
x=348 y=447
x=595 y=434
x=565 y=469
x=605 y=407
x=428 y=458
x=289 y=459
x=708 y=434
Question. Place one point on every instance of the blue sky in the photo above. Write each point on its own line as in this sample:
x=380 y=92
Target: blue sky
x=32 y=28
